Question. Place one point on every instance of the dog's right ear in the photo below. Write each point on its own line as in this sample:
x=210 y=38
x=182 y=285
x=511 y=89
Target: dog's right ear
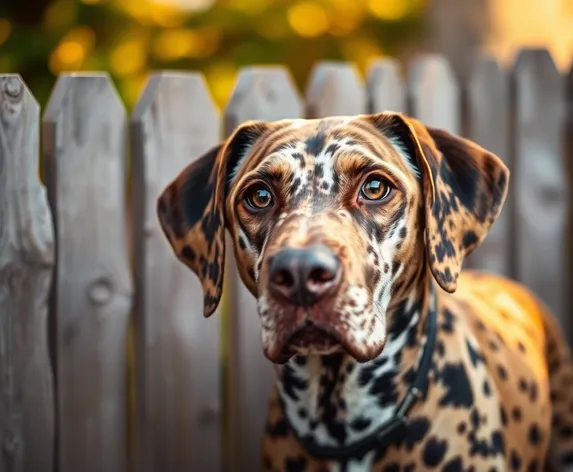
x=191 y=210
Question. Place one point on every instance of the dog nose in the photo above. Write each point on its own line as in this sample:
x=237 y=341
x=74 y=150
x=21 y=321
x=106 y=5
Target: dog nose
x=304 y=276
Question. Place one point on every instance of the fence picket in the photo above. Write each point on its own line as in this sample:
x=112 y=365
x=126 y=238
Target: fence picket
x=178 y=387
x=84 y=152
x=262 y=93
x=541 y=195
x=488 y=125
x=335 y=88
x=386 y=90
x=433 y=93
x=26 y=263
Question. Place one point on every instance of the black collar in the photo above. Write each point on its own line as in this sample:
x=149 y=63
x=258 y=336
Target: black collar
x=392 y=430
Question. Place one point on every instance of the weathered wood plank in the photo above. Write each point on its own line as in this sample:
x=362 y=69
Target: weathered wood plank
x=84 y=150
x=433 y=93
x=542 y=197
x=488 y=125
x=26 y=264
x=386 y=89
x=335 y=88
x=178 y=350
x=262 y=93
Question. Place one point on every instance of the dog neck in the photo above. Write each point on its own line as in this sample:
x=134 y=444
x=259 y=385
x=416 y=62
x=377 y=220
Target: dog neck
x=334 y=400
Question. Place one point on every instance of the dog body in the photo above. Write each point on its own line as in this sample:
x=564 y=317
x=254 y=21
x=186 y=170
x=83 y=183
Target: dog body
x=351 y=233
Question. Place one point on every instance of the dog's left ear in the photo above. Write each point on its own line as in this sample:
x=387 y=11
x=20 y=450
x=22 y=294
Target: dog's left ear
x=464 y=188
x=191 y=210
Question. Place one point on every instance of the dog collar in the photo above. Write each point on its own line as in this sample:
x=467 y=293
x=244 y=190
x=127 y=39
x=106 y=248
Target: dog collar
x=395 y=427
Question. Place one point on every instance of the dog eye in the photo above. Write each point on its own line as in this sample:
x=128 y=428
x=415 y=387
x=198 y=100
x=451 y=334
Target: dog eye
x=375 y=188
x=258 y=197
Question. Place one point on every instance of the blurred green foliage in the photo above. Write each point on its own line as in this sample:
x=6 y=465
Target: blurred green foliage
x=129 y=38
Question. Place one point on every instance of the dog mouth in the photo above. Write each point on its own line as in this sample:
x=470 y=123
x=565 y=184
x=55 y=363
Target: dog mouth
x=311 y=339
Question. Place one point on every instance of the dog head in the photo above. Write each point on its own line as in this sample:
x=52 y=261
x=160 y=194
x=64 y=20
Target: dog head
x=332 y=222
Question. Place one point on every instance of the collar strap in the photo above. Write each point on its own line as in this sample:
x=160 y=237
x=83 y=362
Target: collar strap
x=395 y=427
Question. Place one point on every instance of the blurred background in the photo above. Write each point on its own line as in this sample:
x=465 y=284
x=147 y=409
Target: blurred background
x=129 y=38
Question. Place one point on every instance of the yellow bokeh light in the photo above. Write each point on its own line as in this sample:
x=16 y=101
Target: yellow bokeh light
x=361 y=51
x=153 y=13
x=248 y=6
x=129 y=57
x=176 y=44
x=345 y=16
x=308 y=19
x=391 y=10
x=5 y=30
x=69 y=55
x=221 y=78
x=72 y=50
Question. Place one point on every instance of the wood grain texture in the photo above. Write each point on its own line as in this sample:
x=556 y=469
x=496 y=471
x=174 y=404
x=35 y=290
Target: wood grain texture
x=386 y=88
x=542 y=196
x=488 y=125
x=261 y=93
x=433 y=93
x=178 y=350
x=26 y=264
x=84 y=150
x=335 y=88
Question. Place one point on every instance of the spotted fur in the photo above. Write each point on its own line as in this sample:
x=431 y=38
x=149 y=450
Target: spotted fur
x=500 y=373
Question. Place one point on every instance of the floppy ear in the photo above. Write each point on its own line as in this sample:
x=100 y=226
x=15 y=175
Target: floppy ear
x=191 y=210
x=464 y=189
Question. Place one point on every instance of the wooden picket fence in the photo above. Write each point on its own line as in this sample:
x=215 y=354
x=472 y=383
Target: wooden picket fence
x=106 y=362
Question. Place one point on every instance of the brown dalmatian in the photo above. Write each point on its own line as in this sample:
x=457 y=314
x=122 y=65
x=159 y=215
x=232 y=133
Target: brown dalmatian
x=351 y=233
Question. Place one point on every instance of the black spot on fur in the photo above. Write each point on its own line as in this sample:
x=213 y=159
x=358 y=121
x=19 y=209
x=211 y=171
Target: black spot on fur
x=278 y=429
x=360 y=423
x=533 y=466
x=434 y=452
x=475 y=356
x=188 y=253
x=502 y=372
x=291 y=382
x=469 y=239
x=392 y=467
x=447 y=321
x=454 y=465
x=534 y=434
x=458 y=389
x=314 y=144
x=415 y=433
x=298 y=464
x=566 y=432
x=486 y=388
x=515 y=460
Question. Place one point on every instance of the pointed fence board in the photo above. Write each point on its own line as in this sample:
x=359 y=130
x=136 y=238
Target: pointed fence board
x=178 y=350
x=261 y=93
x=84 y=150
x=334 y=89
x=542 y=195
x=386 y=88
x=433 y=93
x=488 y=125
x=26 y=263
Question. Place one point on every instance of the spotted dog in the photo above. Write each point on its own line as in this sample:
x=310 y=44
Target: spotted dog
x=351 y=233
